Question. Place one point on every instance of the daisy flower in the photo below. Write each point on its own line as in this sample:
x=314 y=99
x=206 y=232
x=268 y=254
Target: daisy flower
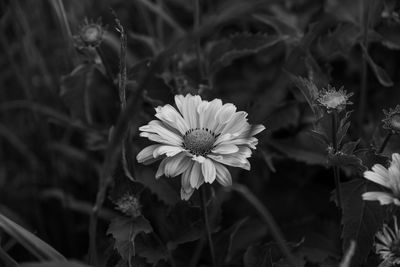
x=391 y=121
x=198 y=141
x=387 y=244
x=389 y=178
x=332 y=99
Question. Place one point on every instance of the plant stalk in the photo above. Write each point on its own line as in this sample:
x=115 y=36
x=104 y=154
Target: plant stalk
x=207 y=223
x=385 y=142
x=336 y=171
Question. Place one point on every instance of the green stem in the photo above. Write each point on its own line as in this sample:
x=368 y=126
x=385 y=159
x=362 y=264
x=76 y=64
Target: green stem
x=267 y=217
x=207 y=223
x=336 y=171
x=384 y=143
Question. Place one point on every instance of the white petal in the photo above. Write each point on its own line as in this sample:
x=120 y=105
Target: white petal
x=210 y=114
x=185 y=195
x=195 y=174
x=237 y=124
x=225 y=149
x=146 y=154
x=188 y=107
x=186 y=177
x=201 y=110
x=161 y=168
x=157 y=132
x=377 y=178
x=169 y=151
x=171 y=116
x=223 y=175
x=208 y=170
x=383 y=197
x=233 y=160
x=177 y=165
x=226 y=112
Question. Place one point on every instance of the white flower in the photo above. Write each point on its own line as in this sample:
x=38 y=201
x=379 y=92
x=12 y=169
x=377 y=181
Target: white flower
x=332 y=99
x=198 y=141
x=389 y=178
x=387 y=244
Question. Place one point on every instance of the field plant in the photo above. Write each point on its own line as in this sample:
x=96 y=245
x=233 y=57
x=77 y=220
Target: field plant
x=199 y=133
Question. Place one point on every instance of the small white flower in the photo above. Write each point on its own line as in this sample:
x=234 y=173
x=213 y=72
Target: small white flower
x=198 y=141
x=332 y=99
x=387 y=244
x=389 y=178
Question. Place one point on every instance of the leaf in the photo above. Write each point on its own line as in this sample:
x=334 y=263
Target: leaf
x=35 y=245
x=55 y=264
x=162 y=187
x=124 y=231
x=361 y=219
x=379 y=72
x=303 y=148
x=222 y=53
x=280 y=25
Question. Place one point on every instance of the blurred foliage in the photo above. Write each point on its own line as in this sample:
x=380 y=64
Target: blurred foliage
x=66 y=137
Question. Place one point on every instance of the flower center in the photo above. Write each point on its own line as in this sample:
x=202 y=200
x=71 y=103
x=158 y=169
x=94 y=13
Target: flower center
x=91 y=33
x=395 y=121
x=333 y=100
x=199 y=141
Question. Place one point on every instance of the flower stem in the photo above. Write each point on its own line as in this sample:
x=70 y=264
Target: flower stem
x=207 y=223
x=266 y=215
x=384 y=143
x=336 y=171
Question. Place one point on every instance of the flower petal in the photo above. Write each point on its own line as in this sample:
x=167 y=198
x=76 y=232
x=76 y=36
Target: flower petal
x=208 y=170
x=146 y=153
x=383 y=198
x=195 y=174
x=376 y=177
x=169 y=151
x=188 y=107
x=177 y=165
x=161 y=168
x=223 y=175
x=225 y=149
x=171 y=117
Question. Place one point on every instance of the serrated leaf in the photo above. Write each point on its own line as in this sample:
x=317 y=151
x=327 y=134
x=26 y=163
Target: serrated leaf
x=124 y=231
x=343 y=160
x=223 y=52
x=32 y=243
x=361 y=219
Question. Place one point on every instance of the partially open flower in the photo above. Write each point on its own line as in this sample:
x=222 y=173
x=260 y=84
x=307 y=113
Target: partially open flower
x=392 y=120
x=198 y=141
x=90 y=33
x=387 y=244
x=333 y=99
x=129 y=205
x=389 y=178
